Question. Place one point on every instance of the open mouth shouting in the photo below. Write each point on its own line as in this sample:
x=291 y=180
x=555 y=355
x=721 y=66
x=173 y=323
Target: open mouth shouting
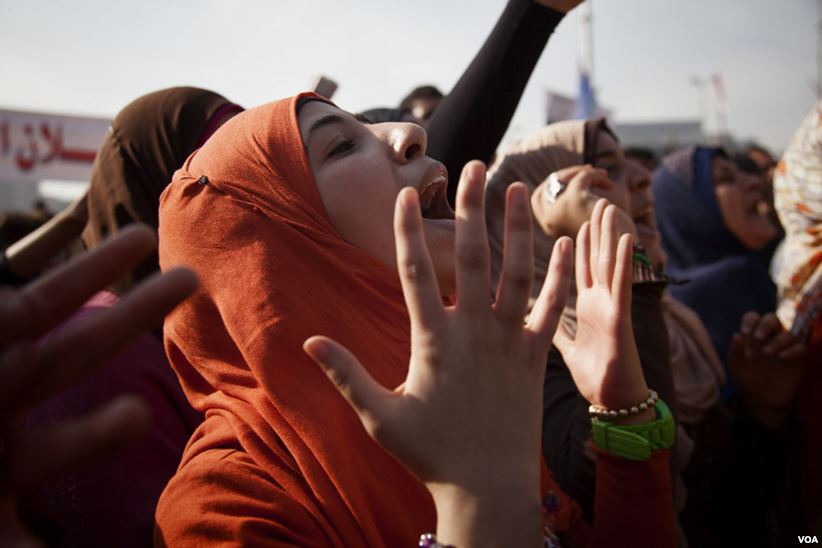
x=433 y=194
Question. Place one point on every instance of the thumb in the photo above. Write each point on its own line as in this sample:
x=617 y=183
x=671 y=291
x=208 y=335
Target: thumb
x=368 y=398
x=563 y=340
x=591 y=177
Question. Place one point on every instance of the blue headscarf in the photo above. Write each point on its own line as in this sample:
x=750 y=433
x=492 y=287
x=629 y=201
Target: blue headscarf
x=725 y=279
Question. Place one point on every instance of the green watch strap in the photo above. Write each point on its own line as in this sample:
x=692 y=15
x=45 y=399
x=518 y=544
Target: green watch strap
x=636 y=441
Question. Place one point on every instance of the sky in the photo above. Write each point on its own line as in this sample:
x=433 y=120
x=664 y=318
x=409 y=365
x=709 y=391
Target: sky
x=93 y=57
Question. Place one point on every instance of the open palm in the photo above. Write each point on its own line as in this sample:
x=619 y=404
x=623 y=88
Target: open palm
x=602 y=356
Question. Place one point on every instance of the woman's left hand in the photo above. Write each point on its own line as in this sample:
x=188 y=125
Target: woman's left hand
x=467 y=420
x=602 y=356
x=767 y=363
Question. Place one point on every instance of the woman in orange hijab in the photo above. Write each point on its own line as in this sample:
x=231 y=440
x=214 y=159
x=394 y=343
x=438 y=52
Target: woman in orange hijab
x=286 y=213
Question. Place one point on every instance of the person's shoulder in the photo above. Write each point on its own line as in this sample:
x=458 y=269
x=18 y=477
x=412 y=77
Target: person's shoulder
x=222 y=495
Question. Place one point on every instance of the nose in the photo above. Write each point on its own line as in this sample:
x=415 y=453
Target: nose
x=751 y=182
x=407 y=141
x=640 y=178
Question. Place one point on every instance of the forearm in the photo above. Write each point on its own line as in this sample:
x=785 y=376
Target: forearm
x=471 y=121
x=651 y=338
x=634 y=505
x=566 y=431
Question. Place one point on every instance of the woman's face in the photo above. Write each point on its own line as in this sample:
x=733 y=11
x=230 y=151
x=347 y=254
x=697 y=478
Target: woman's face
x=359 y=169
x=631 y=192
x=742 y=204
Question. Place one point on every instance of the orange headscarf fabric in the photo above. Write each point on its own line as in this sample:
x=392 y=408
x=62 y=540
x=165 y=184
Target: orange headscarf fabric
x=280 y=456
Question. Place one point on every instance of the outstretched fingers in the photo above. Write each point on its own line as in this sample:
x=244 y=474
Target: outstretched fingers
x=69 y=356
x=51 y=298
x=554 y=293
x=596 y=231
x=607 y=246
x=518 y=258
x=43 y=455
x=366 y=396
x=419 y=281
x=473 y=275
x=622 y=284
x=583 y=257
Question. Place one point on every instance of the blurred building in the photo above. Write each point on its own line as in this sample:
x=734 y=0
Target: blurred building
x=661 y=137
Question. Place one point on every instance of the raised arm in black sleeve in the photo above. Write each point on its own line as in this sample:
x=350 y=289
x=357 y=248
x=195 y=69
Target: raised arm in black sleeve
x=472 y=119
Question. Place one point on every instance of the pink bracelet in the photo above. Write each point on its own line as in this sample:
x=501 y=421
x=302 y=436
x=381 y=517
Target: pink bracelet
x=429 y=540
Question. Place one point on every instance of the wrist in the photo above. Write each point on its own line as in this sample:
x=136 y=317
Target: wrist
x=771 y=417
x=496 y=516
x=638 y=441
x=635 y=408
x=632 y=395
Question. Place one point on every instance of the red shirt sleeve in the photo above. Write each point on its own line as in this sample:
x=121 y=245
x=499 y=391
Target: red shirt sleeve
x=633 y=505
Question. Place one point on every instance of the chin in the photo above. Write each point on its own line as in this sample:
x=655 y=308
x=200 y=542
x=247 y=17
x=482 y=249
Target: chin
x=758 y=237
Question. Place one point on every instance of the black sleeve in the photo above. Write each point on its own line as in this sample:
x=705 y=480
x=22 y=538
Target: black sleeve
x=471 y=120
x=566 y=426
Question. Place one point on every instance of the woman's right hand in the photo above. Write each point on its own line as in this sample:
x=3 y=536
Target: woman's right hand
x=585 y=185
x=768 y=364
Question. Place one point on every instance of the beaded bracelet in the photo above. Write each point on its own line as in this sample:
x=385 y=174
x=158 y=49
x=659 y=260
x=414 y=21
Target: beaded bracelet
x=598 y=412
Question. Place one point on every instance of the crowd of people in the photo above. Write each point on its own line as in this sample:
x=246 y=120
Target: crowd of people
x=294 y=325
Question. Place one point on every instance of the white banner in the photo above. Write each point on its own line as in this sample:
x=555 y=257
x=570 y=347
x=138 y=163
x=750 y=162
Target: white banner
x=36 y=146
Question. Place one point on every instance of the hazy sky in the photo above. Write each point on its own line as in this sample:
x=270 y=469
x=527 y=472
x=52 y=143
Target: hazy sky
x=94 y=56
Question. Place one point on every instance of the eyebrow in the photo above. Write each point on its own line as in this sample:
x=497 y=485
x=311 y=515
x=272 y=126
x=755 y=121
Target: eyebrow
x=326 y=120
x=330 y=119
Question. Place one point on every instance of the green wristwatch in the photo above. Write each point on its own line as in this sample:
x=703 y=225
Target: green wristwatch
x=635 y=442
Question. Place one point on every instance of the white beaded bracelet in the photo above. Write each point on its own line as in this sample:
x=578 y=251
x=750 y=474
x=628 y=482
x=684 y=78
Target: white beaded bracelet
x=598 y=412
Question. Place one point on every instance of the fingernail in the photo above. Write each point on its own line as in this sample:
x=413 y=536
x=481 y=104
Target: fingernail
x=409 y=199
x=519 y=195
x=316 y=348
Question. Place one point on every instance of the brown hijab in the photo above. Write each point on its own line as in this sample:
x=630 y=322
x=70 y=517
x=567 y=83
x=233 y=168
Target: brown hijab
x=530 y=161
x=146 y=143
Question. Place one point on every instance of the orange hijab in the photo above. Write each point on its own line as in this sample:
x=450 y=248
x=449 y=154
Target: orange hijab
x=273 y=272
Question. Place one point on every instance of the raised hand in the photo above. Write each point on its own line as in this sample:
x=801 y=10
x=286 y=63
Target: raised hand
x=31 y=372
x=767 y=363
x=585 y=186
x=603 y=357
x=467 y=420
